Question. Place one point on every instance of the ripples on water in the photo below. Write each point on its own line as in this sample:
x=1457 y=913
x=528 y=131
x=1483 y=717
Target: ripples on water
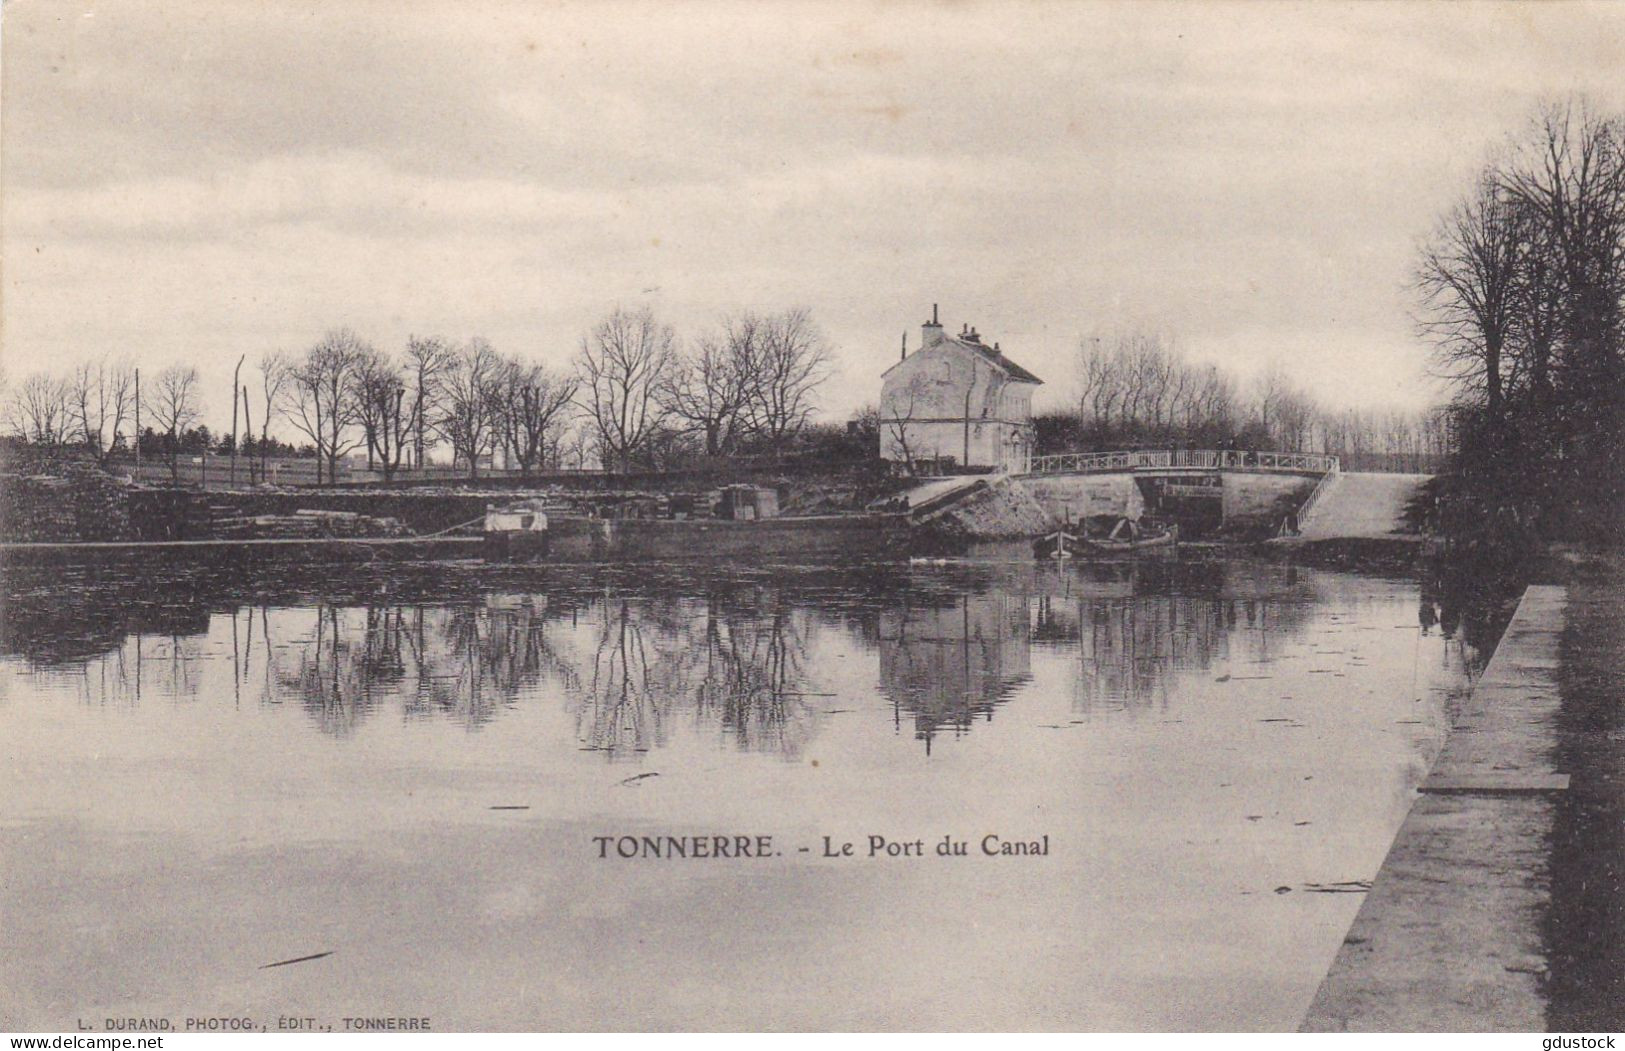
x=1192 y=735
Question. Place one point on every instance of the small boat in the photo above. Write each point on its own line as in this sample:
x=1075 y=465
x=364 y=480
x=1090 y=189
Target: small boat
x=1130 y=536
x=1126 y=536
x=1059 y=545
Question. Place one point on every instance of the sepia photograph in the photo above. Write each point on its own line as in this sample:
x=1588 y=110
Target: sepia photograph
x=934 y=516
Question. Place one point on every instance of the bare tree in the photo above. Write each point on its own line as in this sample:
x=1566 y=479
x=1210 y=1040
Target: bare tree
x=320 y=400
x=173 y=404
x=782 y=378
x=101 y=397
x=622 y=365
x=427 y=360
x=1284 y=411
x=40 y=410
x=1571 y=179
x=708 y=388
x=378 y=387
x=1468 y=278
x=531 y=404
x=467 y=406
x=897 y=412
x=275 y=373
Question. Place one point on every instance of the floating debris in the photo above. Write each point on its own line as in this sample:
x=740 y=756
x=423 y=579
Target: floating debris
x=297 y=959
x=1353 y=886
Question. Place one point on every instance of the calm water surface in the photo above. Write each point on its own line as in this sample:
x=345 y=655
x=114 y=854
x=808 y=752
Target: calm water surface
x=204 y=776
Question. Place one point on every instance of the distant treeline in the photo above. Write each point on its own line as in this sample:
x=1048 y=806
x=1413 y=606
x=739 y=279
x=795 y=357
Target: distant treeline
x=635 y=397
x=1137 y=389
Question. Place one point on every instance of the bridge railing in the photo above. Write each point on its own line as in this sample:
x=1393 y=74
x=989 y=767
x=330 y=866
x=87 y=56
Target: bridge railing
x=1325 y=483
x=1208 y=459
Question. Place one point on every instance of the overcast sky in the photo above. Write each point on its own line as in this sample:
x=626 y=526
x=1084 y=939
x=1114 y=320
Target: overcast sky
x=198 y=181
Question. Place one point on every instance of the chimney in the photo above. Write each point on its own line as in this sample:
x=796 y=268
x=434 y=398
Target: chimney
x=905 y=347
x=931 y=331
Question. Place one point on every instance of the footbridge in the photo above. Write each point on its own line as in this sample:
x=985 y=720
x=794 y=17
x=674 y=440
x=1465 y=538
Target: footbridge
x=1183 y=462
x=1203 y=487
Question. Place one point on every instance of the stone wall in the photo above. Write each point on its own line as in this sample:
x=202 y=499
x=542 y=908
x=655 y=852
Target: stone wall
x=1075 y=497
x=1255 y=500
x=1001 y=509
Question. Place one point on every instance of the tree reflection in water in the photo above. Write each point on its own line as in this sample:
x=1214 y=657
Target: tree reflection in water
x=714 y=661
x=633 y=658
x=463 y=662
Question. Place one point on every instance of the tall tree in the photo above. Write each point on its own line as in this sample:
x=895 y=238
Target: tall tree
x=101 y=397
x=320 y=402
x=172 y=403
x=531 y=407
x=782 y=377
x=621 y=367
x=275 y=374
x=1468 y=281
x=467 y=404
x=427 y=359
x=40 y=410
x=708 y=388
x=378 y=386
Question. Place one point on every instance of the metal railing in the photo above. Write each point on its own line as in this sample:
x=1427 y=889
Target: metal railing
x=1320 y=489
x=1198 y=459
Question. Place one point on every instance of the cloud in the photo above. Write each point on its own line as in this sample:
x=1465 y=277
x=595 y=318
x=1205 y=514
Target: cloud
x=213 y=179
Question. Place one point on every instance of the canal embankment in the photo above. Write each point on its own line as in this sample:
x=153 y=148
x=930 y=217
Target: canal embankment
x=1454 y=933
x=1585 y=925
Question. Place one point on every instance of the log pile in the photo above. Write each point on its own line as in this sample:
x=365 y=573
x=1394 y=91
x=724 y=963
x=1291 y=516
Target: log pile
x=80 y=503
x=306 y=524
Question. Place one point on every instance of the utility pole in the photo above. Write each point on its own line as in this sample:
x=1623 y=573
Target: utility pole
x=138 y=425
x=234 y=378
x=248 y=429
x=968 y=391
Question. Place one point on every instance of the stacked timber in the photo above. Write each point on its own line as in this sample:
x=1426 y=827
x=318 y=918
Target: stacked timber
x=308 y=524
x=78 y=502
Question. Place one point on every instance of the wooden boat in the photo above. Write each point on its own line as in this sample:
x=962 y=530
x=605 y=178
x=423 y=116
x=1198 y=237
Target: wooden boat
x=1059 y=545
x=1128 y=536
x=1168 y=538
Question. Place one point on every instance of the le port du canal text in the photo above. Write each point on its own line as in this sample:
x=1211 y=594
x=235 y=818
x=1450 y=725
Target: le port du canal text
x=758 y=847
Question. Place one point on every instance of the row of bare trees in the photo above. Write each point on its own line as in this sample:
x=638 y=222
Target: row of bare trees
x=1137 y=387
x=100 y=405
x=344 y=394
x=1522 y=293
x=752 y=381
x=634 y=396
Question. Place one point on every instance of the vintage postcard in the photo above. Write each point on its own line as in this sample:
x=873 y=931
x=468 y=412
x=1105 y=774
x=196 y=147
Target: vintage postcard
x=853 y=516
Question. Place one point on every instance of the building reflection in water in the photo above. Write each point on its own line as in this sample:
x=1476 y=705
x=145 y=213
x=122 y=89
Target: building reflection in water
x=947 y=664
x=727 y=657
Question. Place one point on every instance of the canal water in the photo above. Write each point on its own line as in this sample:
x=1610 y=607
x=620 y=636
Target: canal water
x=419 y=772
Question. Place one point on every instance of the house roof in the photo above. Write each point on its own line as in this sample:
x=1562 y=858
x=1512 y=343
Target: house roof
x=989 y=354
x=1014 y=371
